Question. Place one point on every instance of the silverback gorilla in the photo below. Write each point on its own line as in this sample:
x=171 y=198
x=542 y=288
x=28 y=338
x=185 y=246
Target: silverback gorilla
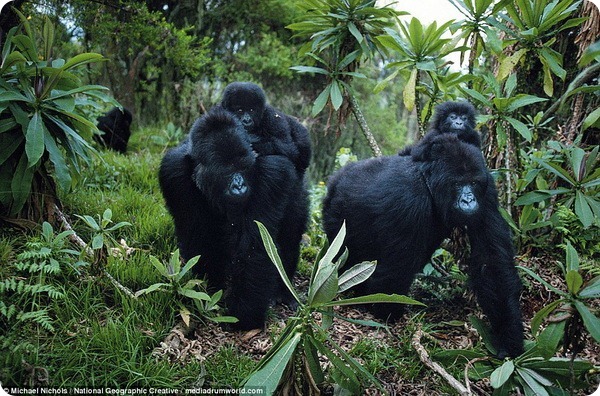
x=215 y=187
x=449 y=117
x=115 y=125
x=271 y=131
x=404 y=209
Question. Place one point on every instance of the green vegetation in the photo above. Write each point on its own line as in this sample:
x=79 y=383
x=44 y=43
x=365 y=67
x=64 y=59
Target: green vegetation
x=83 y=230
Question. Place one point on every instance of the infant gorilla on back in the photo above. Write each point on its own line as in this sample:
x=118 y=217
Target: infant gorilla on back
x=271 y=131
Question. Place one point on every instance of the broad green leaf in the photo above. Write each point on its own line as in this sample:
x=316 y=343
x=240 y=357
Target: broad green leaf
x=520 y=127
x=61 y=170
x=97 y=241
x=548 y=339
x=159 y=266
x=484 y=332
x=572 y=258
x=556 y=169
x=188 y=265
x=375 y=298
x=522 y=101
x=591 y=321
x=356 y=275
x=196 y=295
x=578 y=160
x=409 y=94
x=223 y=319
x=151 y=288
x=539 y=317
x=355 y=32
x=536 y=387
x=539 y=279
x=532 y=197
x=336 y=95
x=502 y=374
x=312 y=359
x=507 y=65
x=82 y=59
x=34 y=139
x=10 y=96
x=583 y=210
x=592 y=289
x=274 y=256
x=309 y=69
x=269 y=376
x=321 y=100
x=21 y=184
x=591 y=119
x=48 y=37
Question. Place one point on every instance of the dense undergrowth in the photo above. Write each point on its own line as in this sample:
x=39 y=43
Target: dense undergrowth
x=68 y=328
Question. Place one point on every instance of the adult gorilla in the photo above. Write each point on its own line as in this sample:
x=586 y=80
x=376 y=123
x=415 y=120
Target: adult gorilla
x=398 y=211
x=271 y=131
x=215 y=187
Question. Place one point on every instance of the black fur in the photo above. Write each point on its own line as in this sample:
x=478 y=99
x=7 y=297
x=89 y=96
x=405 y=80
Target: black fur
x=449 y=117
x=271 y=130
x=398 y=211
x=115 y=125
x=215 y=187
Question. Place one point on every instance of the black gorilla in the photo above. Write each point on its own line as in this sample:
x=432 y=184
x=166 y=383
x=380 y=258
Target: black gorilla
x=403 y=210
x=115 y=125
x=449 y=117
x=215 y=187
x=271 y=131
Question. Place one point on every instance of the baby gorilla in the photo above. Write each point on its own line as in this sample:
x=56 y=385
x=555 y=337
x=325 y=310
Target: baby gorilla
x=271 y=131
x=404 y=209
x=215 y=187
x=449 y=117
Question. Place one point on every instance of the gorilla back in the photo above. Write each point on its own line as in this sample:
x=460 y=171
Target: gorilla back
x=398 y=211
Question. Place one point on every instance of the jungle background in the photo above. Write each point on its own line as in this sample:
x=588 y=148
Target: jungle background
x=91 y=291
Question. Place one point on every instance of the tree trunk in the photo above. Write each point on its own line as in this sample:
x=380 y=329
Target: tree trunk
x=364 y=127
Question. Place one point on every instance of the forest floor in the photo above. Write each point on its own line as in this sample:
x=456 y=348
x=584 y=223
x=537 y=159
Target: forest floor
x=103 y=337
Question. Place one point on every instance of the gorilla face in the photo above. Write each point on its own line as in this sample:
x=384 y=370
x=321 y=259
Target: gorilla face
x=467 y=202
x=247 y=101
x=454 y=122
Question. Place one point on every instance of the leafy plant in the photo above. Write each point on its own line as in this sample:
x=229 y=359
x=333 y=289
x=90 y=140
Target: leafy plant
x=420 y=52
x=26 y=297
x=293 y=361
x=575 y=303
x=535 y=372
x=341 y=34
x=475 y=28
x=102 y=239
x=579 y=177
x=206 y=305
x=534 y=25
x=42 y=135
x=504 y=106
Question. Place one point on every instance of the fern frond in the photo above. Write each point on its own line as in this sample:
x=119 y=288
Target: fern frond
x=39 y=317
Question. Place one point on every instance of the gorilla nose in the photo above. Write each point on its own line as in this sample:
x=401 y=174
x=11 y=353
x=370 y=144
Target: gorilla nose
x=238 y=185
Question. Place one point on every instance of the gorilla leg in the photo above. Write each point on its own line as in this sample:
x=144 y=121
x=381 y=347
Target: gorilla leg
x=255 y=281
x=496 y=282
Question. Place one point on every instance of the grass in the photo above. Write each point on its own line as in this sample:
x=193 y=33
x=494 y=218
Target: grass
x=104 y=338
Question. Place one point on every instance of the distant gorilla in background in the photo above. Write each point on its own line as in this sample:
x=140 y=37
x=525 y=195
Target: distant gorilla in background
x=115 y=125
x=271 y=130
x=215 y=187
x=398 y=211
x=449 y=117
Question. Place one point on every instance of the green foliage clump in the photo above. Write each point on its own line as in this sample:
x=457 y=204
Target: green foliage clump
x=39 y=271
x=42 y=134
x=293 y=360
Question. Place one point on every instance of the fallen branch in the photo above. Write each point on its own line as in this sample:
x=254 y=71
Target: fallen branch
x=424 y=356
